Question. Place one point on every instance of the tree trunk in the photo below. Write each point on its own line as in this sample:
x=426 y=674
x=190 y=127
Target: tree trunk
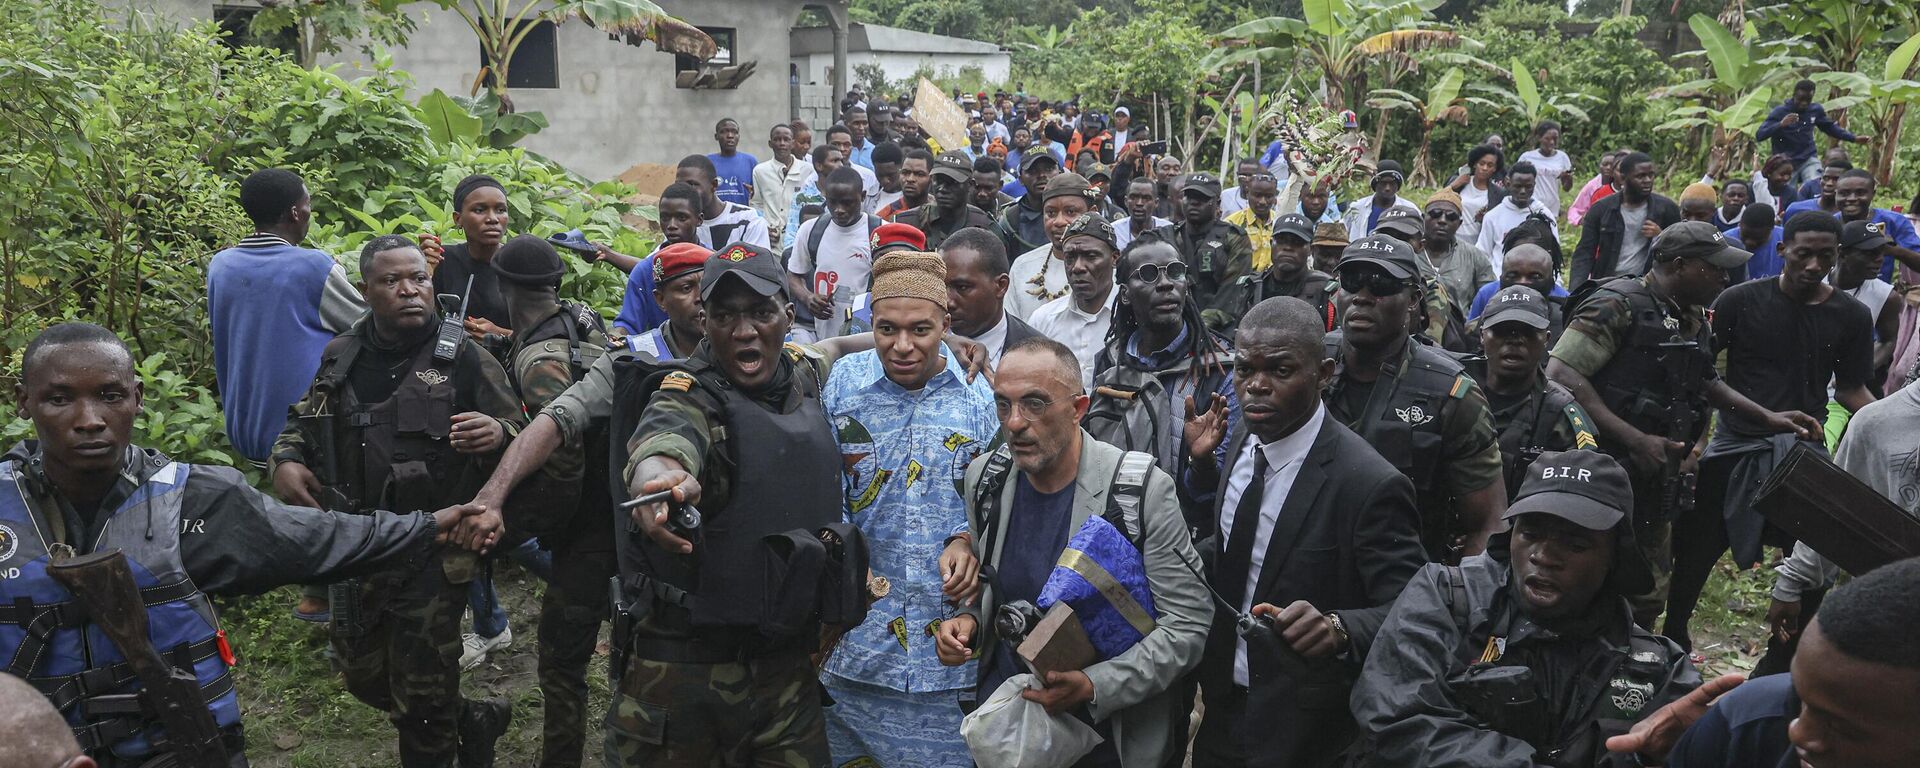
x=1885 y=144
x=1422 y=170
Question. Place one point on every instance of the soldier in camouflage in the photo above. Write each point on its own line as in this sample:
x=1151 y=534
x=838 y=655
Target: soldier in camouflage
x=1531 y=413
x=390 y=423
x=1637 y=354
x=569 y=508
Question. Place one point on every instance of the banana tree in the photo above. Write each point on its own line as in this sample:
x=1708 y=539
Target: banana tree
x=1882 y=101
x=502 y=25
x=1746 y=75
x=1339 y=39
x=1442 y=103
x=1841 y=30
x=1527 y=100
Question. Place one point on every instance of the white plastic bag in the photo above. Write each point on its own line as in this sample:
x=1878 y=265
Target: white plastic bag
x=1010 y=732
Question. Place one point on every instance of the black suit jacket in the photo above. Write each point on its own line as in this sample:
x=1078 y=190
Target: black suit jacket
x=1346 y=540
x=1017 y=331
x=1604 y=230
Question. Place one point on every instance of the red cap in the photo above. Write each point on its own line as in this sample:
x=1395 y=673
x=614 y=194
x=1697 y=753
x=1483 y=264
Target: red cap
x=894 y=236
x=678 y=259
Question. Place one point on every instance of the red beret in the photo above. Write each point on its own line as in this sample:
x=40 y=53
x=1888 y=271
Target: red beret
x=676 y=260
x=894 y=236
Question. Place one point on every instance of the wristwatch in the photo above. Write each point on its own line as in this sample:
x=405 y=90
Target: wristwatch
x=1339 y=630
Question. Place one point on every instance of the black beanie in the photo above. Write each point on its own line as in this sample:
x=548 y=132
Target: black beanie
x=529 y=261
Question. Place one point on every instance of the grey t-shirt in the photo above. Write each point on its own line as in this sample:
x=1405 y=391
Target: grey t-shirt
x=1634 y=247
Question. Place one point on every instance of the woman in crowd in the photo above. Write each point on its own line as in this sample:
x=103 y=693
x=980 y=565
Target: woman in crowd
x=1478 y=189
x=1596 y=189
x=1553 y=167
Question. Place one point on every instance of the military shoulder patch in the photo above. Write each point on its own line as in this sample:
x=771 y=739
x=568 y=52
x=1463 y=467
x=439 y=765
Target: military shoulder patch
x=1461 y=384
x=796 y=351
x=677 y=381
x=1583 y=438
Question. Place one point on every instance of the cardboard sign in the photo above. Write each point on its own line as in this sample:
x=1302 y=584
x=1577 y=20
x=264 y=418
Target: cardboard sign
x=938 y=116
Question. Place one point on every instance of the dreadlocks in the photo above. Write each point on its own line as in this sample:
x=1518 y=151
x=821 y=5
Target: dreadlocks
x=1208 y=351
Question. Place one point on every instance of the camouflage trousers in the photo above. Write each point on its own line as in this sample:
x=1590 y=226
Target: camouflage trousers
x=763 y=713
x=1655 y=539
x=571 y=611
x=406 y=661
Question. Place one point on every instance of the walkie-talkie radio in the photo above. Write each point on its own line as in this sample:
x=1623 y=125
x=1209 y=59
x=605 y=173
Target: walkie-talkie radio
x=453 y=323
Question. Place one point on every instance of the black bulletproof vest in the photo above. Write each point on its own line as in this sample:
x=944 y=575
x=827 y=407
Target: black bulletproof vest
x=394 y=454
x=1657 y=368
x=784 y=472
x=1402 y=422
x=1529 y=432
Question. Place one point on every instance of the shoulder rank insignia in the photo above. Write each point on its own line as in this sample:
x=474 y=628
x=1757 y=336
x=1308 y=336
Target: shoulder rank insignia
x=677 y=381
x=1461 y=384
x=1583 y=439
x=796 y=351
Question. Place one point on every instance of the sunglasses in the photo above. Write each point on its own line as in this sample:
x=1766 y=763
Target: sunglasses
x=1372 y=281
x=1439 y=214
x=1150 y=273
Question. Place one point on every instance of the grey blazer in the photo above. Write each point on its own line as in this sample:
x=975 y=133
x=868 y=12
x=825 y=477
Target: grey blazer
x=1132 y=689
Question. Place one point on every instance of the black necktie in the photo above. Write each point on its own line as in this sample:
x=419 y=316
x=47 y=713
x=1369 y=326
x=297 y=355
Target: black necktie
x=1237 y=560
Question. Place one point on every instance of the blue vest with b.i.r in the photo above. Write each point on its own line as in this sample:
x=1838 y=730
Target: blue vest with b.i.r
x=47 y=638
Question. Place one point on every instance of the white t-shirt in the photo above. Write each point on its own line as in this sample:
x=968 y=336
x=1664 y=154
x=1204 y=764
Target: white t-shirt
x=1472 y=202
x=1500 y=220
x=841 y=269
x=1123 y=229
x=1546 y=188
x=1062 y=321
x=736 y=224
x=1232 y=200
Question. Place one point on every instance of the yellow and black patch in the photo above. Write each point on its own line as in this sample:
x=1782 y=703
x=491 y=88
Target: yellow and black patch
x=1583 y=438
x=1461 y=384
x=899 y=627
x=677 y=381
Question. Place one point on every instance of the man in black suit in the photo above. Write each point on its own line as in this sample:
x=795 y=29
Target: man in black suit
x=1316 y=533
x=977 y=283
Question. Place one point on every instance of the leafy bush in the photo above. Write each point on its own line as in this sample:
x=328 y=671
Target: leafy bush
x=122 y=147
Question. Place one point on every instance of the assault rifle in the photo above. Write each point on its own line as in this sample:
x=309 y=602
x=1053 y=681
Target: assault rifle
x=103 y=582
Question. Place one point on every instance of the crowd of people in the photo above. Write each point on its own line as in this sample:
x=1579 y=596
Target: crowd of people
x=881 y=426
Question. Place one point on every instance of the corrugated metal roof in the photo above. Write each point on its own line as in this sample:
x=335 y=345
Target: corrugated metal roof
x=874 y=38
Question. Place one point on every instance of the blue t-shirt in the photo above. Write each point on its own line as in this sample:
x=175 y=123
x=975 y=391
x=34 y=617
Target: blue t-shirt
x=1035 y=533
x=733 y=176
x=1805 y=203
x=1747 y=728
x=639 y=313
x=1486 y=292
x=1766 y=261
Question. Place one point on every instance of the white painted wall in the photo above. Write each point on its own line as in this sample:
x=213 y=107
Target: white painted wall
x=617 y=104
x=817 y=68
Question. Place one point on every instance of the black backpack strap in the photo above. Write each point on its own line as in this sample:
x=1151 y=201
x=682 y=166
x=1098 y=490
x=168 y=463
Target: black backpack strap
x=819 y=233
x=986 y=498
x=1127 y=496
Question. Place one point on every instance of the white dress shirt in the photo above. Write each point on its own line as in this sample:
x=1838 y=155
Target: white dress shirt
x=1284 y=457
x=995 y=340
x=1084 y=333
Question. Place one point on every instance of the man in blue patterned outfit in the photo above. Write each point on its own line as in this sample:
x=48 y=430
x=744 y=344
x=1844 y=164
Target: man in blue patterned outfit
x=908 y=423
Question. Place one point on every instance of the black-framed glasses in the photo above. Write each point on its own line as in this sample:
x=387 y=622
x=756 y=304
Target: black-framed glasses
x=1372 y=281
x=1031 y=406
x=1441 y=214
x=1150 y=273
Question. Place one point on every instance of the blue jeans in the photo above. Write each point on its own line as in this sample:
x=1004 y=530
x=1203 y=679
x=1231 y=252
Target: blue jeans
x=489 y=619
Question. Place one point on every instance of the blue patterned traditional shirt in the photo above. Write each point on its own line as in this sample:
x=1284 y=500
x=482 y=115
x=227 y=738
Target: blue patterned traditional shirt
x=906 y=455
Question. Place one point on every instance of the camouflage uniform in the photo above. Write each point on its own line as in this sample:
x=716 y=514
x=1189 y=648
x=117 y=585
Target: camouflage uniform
x=1218 y=255
x=403 y=656
x=765 y=706
x=1603 y=332
x=575 y=601
x=927 y=219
